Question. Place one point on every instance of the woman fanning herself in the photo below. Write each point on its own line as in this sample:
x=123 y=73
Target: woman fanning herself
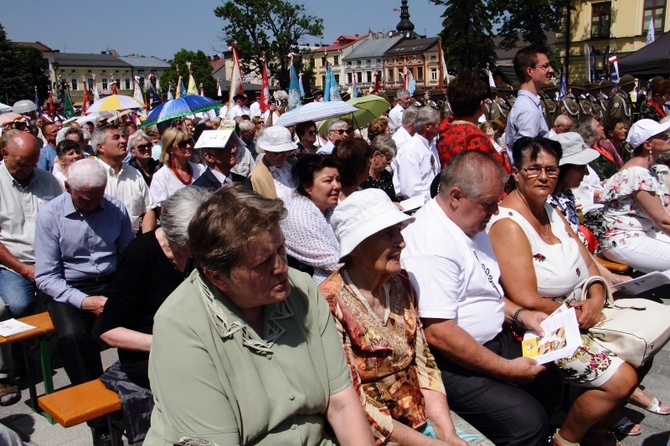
x=542 y=265
x=374 y=307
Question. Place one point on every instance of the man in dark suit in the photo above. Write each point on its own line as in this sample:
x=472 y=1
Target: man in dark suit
x=218 y=150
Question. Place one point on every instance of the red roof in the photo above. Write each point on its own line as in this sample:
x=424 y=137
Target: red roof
x=39 y=45
x=217 y=64
x=341 y=43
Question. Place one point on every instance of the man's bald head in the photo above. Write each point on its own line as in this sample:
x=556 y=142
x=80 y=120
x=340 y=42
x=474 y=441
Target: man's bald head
x=20 y=155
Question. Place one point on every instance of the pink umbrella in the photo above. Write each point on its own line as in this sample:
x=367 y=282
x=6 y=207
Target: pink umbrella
x=6 y=118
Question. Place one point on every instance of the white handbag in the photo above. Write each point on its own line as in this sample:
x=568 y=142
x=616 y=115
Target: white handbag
x=634 y=329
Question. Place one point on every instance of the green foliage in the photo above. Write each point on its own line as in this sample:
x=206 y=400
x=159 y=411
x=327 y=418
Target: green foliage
x=202 y=72
x=466 y=37
x=528 y=20
x=21 y=70
x=270 y=28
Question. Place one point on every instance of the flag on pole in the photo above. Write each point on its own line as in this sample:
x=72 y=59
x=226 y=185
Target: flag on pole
x=594 y=65
x=180 y=90
x=492 y=82
x=293 y=87
x=192 y=88
x=651 y=33
x=169 y=92
x=302 y=89
x=377 y=86
x=235 y=79
x=84 y=103
x=587 y=56
x=202 y=90
x=115 y=88
x=354 y=87
x=563 y=86
x=96 y=94
x=332 y=92
x=410 y=84
x=264 y=100
x=218 y=87
x=137 y=92
x=68 y=109
x=613 y=60
x=37 y=103
x=50 y=106
x=153 y=90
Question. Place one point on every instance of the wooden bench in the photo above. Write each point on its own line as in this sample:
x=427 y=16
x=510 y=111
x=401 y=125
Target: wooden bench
x=615 y=267
x=43 y=327
x=82 y=403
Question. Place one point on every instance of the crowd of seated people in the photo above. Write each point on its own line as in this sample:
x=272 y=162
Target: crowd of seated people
x=283 y=296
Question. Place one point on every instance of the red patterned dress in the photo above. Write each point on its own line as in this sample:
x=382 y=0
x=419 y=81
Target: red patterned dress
x=454 y=138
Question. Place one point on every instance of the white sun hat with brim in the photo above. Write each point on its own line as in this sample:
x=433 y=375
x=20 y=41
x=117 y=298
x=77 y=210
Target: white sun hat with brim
x=644 y=129
x=276 y=139
x=218 y=139
x=362 y=214
x=575 y=150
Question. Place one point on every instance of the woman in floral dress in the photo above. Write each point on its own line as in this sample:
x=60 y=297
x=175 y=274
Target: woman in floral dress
x=374 y=308
x=635 y=216
x=543 y=265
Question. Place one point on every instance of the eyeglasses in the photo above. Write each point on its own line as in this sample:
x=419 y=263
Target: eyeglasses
x=146 y=146
x=311 y=132
x=545 y=66
x=343 y=131
x=535 y=171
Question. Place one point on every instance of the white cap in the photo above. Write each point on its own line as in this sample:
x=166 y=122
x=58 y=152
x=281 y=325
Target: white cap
x=644 y=129
x=276 y=139
x=575 y=150
x=363 y=214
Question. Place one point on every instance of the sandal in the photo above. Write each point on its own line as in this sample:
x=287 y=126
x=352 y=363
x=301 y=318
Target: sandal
x=656 y=407
x=9 y=394
x=557 y=440
x=626 y=427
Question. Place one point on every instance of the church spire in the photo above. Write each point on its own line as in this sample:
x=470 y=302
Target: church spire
x=405 y=25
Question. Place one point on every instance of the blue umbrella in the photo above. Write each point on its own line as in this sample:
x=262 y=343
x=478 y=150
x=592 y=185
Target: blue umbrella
x=178 y=108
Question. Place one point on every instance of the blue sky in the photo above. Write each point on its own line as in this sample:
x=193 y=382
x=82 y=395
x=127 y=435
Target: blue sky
x=162 y=27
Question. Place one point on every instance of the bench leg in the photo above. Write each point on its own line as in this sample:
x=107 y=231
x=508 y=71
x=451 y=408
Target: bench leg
x=116 y=437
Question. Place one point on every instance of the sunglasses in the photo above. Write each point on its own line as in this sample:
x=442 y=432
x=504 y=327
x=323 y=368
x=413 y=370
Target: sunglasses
x=144 y=146
x=311 y=132
x=343 y=131
x=184 y=144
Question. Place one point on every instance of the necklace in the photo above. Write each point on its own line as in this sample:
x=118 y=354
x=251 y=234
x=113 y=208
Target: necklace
x=189 y=173
x=387 y=304
x=546 y=233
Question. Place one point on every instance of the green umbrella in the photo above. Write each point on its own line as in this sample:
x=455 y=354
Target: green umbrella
x=369 y=107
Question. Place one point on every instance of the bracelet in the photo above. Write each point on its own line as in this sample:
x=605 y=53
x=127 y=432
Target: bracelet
x=515 y=318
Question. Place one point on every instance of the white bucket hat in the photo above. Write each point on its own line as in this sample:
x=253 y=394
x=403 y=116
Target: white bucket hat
x=276 y=139
x=644 y=129
x=575 y=150
x=363 y=214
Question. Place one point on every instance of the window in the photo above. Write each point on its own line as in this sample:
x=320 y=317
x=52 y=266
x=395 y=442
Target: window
x=349 y=79
x=390 y=75
x=90 y=82
x=118 y=82
x=74 y=82
x=105 y=82
x=368 y=76
x=657 y=9
x=337 y=79
x=600 y=20
x=419 y=74
x=359 y=77
x=433 y=74
x=323 y=61
x=126 y=82
x=336 y=60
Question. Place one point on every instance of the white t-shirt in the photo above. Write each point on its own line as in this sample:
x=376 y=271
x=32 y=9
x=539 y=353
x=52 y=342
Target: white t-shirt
x=448 y=276
x=164 y=183
x=417 y=164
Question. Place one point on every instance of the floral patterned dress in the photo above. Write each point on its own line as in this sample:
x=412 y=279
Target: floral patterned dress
x=455 y=138
x=560 y=270
x=623 y=220
x=389 y=358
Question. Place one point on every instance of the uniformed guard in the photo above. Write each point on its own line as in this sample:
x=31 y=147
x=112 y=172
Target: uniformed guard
x=620 y=105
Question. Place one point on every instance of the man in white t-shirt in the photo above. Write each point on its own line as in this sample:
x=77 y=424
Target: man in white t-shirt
x=455 y=274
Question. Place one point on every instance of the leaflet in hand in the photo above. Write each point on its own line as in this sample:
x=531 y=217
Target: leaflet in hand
x=561 y=337
x=643 y=283
x=12 y=327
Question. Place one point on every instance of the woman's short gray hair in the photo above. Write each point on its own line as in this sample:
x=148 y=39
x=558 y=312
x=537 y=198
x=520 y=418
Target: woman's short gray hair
x=135 y=138
x=179 y=209
x=86 y=173
x=385 y=145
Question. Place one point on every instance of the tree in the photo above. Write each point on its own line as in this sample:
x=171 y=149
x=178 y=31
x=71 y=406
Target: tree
x=270 y=28
x=202 y=71
x=529 y=21
x=21 y=70
x=466 y=35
